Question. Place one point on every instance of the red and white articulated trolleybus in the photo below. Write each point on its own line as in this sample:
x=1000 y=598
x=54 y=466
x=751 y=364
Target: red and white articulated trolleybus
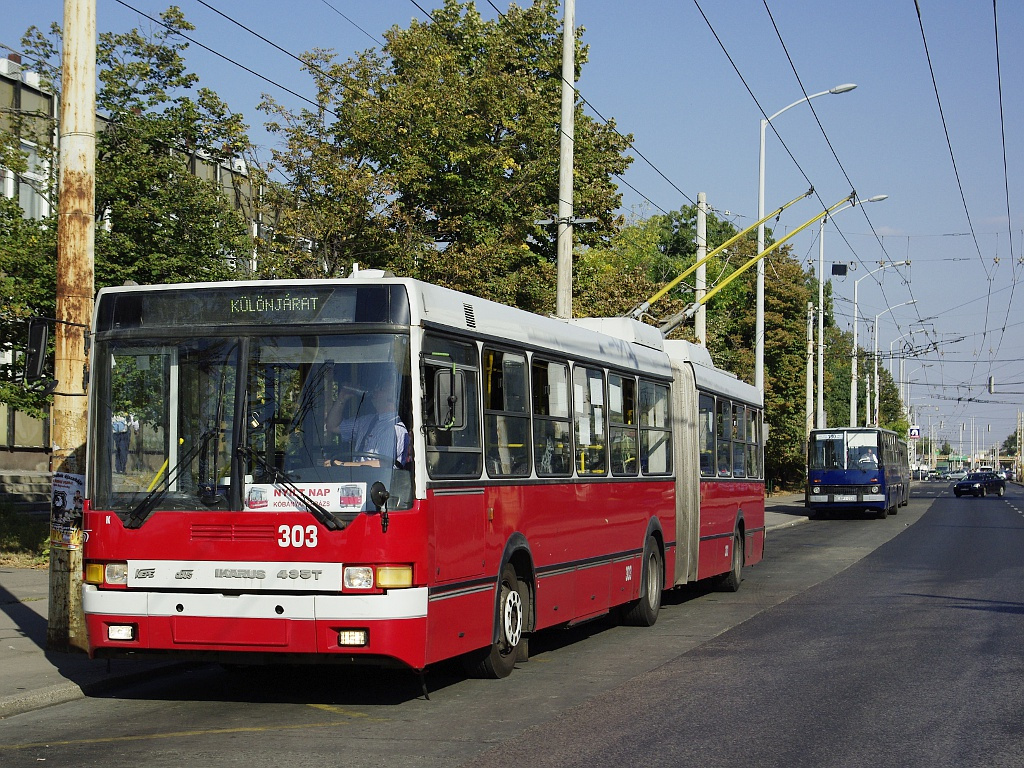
x=376 y=469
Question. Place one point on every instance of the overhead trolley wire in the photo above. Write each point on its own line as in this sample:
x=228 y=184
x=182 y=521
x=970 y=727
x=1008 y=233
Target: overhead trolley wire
x=228 y=59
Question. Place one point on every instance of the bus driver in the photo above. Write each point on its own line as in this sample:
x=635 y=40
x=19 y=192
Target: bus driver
x=367 y=424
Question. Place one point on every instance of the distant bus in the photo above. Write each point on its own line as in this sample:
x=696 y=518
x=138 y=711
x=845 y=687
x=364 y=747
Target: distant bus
x=857 y=469
x=524 y=472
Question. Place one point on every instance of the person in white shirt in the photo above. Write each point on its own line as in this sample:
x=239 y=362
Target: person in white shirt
x=123 y=424
x=369 y=429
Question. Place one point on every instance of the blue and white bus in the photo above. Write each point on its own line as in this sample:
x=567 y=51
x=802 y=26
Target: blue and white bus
x=856 y=469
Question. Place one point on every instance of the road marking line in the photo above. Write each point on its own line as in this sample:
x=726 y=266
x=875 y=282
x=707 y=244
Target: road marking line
x=177 y=734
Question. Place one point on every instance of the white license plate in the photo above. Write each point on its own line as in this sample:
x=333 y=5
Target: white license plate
x=844 y=497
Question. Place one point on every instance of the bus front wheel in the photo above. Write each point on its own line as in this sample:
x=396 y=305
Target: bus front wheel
x=513 y=604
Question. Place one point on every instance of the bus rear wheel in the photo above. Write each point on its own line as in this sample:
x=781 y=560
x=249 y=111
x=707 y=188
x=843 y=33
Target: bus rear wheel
x=513 y=605
x=644 y=612
x=730 y=582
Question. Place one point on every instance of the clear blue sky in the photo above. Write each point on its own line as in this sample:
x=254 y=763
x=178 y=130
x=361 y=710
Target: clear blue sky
x=659 y=69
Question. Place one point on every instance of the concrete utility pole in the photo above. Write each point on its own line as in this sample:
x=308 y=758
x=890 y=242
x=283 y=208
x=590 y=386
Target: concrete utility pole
x=75 y=292
x=809 y=404
x=700 y=284
x=563 y=290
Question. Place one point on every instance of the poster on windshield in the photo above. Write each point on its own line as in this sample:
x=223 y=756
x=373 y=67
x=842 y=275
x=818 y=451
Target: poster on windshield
x=67 y=494
x=333 y=497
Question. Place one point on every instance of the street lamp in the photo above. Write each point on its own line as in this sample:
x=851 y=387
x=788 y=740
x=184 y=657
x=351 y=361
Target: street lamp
x=874 y=351
x=905 y=395
x=759 y=319
x=820 y=421
x=853 y=363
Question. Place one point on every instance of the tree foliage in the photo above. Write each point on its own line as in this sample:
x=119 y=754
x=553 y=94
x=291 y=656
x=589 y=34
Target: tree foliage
x=27 y=289
x=435 y=156
x=158 y=220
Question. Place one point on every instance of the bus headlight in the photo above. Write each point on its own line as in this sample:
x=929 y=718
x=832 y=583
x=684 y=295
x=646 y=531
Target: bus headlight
x=358 y=577
x=116 y=573
x=815 y=489
x=876 y=488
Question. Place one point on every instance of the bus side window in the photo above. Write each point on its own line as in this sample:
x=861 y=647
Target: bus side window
x=706 y=436
x=753 y=443
x=739 y=448
x=450 y=408
x=655 y=429
x=724 y=435
x=589 y=419
x=622 y=417
x=552 y=432
x=506 y=414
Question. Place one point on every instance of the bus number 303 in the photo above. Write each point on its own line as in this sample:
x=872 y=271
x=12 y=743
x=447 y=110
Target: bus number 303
x=297 y=536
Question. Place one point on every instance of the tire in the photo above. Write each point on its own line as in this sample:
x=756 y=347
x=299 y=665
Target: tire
x=1002 y=490
x=984 y=492
x=513 y=607
x=957 y=494
x=644 y=612
x=730 y=582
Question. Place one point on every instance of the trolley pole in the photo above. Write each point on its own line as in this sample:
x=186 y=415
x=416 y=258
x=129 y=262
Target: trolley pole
x=75 y=295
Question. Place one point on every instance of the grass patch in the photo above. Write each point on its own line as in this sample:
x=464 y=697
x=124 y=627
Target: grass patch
x=24 y=539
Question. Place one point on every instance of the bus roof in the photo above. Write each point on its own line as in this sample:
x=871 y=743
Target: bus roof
x=617 y=341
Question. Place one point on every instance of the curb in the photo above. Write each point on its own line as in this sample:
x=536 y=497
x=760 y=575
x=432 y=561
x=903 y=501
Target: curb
x=62 y=693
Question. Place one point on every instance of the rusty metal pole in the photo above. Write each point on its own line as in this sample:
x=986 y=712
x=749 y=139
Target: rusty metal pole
x=75 y=291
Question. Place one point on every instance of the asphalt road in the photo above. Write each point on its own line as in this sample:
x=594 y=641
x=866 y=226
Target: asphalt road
x=856 y=642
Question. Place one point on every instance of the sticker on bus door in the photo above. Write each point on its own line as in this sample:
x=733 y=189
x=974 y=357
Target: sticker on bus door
x=334 y=497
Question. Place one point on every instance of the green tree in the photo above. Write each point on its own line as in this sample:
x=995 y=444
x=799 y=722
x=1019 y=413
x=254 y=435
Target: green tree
x=27 y=289
x=159 y=220
x=1009 y=447
x=440 y=152
x=609 y=280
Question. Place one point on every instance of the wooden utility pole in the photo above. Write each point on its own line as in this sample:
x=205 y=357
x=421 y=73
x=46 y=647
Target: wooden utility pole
x=75 y=291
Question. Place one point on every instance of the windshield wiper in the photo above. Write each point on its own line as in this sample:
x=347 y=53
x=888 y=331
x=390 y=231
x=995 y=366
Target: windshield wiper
x=145 y=507
x=279 y=477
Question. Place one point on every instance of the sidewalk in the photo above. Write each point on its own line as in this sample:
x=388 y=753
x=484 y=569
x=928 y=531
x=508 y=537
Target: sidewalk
x=32 y=677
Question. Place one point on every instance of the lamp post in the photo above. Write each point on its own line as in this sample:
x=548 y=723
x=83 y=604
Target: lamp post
x=759 y=319
x=853 y=363
x=874 y=351
x=905 y=389
x=820 y=420
x=892 y=355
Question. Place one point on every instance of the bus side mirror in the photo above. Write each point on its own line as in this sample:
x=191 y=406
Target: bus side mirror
x=35 y=354
x=449 y=400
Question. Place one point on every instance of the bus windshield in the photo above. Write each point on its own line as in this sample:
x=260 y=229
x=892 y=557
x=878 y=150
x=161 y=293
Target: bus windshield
x=844 y=450
x=251 y=423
